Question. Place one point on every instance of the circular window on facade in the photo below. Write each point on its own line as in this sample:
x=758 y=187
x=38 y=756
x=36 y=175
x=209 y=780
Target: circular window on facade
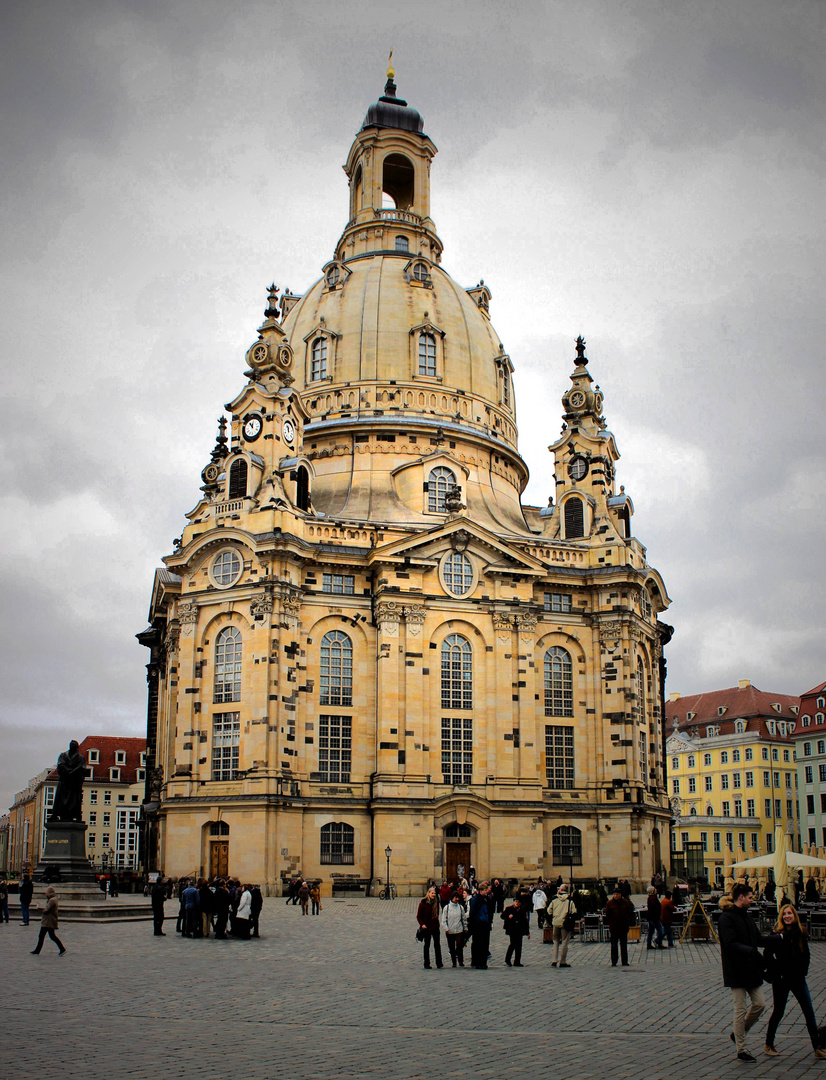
x=332 y=276
x=420 y=271
x=457 y=574
x=226 y=568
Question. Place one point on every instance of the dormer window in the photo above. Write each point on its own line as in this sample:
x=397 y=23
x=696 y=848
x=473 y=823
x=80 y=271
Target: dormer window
x=114 y=774
x=318 y=362
x=806 y=720
x=332 y=277
x=795 y=709
x=402 y=243
x=740 y=726
x=421 y=272
x=819 y=718
x=712 y=730
x=690 y=715
x=722 y=710
x=821 y=703
x=94 y=757
x=438 y=484
x=143 y=757
x=427 y=354
x=770 y=726
x=120 y=757
x=776 y=706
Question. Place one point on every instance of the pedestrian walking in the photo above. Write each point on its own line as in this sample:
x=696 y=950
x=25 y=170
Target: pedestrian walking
x=192 y=911
x=304 y=897
x=498 y=894
x=787 y=962
x=427 y=916
x=453 y=921
x=742 y=963
x=540 y=904
x=516 y=927
x=242 y=924
x=255 y=909
x=48 y=924
x=315 y=899
x=26 y=893
x=563 y=919
x=619 y=914
x=4 y=901
x=655 y=926
x=158 y=897
x=479 y=919
x=667 y=917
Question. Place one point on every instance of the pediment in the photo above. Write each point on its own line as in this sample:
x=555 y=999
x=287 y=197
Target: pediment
x=501 y=556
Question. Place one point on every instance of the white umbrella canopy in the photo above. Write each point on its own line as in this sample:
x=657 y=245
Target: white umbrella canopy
x=781 y=860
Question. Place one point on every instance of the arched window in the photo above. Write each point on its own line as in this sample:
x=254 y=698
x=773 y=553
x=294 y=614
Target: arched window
x=228 y=665
x=641 y=689
x=709 y=811
x=318 y=366
x=506 y=388
x=302 y=488
x=427 y=354
x=457 y=571
x=237 y=479
x=457 y=673
x=357 y=190
x=566 y=846
x=438 y=482
x=336 y=669
x=402 y=243
x=693 y=811
x=332 y=276
x=574 y=519
x=398 y=180
x=337 y=843
x=559 y=683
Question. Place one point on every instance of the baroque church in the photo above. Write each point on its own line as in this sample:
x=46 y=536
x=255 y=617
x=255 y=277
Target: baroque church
x=363 y=640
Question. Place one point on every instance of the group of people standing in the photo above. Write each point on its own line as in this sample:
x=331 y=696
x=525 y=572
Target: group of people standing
x=466 y=913
x=224 y=906
x=302 y=892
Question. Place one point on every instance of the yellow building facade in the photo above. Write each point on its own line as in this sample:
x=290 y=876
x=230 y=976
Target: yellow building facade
x=363 y=639
x=732 y=772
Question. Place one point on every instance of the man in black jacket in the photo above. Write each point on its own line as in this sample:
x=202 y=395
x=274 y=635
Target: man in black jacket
x=516 y=927
x=742 y=963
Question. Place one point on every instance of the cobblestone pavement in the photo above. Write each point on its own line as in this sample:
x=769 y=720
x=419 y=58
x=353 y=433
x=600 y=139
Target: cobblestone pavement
x=346 y=994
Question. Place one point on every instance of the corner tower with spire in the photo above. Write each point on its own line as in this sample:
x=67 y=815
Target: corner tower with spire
x=363 y=638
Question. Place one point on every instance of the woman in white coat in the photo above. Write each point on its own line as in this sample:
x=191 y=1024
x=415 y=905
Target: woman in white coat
x=454 y=924
x=244 y=913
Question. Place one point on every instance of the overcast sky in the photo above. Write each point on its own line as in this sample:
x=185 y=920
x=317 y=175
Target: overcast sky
x=648 y=175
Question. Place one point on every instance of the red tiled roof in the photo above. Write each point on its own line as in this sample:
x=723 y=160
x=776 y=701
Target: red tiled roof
x=740 y=703
x=815 y=690
x=106 y=745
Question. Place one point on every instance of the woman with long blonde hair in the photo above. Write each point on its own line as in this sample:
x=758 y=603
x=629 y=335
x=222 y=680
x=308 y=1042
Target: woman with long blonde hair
x=787 y=961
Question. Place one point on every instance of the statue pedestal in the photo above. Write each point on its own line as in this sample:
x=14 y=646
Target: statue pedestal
x=64 y=857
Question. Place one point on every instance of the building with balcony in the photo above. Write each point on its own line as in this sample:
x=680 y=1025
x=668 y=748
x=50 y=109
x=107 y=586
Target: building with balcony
x=731 y=771
x=810 y=750
x=363 y=638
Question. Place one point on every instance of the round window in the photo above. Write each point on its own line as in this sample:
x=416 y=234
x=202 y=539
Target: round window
x=226 y=568
x=332 y=276
x=420 y=271
x=457 y=574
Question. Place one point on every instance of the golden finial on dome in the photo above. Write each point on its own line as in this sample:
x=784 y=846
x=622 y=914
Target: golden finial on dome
x=391 y=74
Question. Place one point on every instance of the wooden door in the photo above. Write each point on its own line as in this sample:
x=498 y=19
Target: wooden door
x=456 y=855
x=219 y=858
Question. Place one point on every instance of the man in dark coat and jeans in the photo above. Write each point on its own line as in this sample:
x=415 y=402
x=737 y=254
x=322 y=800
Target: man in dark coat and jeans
x=742 y=963
x=479 y=925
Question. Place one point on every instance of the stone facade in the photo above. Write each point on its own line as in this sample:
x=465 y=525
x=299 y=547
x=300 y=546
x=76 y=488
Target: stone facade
x=363 y=639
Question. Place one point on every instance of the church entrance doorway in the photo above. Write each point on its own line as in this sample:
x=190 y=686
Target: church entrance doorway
x=218 y=849
x=457 y=855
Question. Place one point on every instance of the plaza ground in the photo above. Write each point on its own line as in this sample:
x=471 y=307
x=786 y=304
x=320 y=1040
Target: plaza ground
x=345 y=994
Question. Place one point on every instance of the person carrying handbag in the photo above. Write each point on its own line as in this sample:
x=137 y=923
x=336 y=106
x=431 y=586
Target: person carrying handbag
x=563 y=919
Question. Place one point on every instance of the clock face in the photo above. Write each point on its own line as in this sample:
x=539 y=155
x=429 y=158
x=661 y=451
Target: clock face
x=577 y=468
x=577 y=399
x=252 y=428
x=288 y=431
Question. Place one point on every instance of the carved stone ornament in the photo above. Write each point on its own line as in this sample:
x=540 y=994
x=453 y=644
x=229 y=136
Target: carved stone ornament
x=610 y=635
x=261 y=605
x=526 y=623
x=503 y=621
x=460 y=540
x=187 y=617
x=170 y=641
x=387 y=617
x=414 y=617
x=291 y=608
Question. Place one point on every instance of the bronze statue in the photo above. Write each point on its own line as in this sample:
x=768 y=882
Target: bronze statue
x=71 y=772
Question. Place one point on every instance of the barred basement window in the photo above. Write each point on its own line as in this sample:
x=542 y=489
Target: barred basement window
x=457 y=749
x=226 y=736
x=338 y=583
x=566 y=846
x=561 y=602
x=337 y=843
x=438 y=482
x=457 y=673
x=228 y=665
x=559 y=683
x=336 y=669
x=335 y=741
x=559 y=756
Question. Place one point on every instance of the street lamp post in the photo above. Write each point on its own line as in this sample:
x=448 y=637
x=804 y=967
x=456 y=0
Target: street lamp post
x=388 y=851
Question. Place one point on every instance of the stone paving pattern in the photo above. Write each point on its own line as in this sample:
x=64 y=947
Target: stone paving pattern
x=345 y=994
